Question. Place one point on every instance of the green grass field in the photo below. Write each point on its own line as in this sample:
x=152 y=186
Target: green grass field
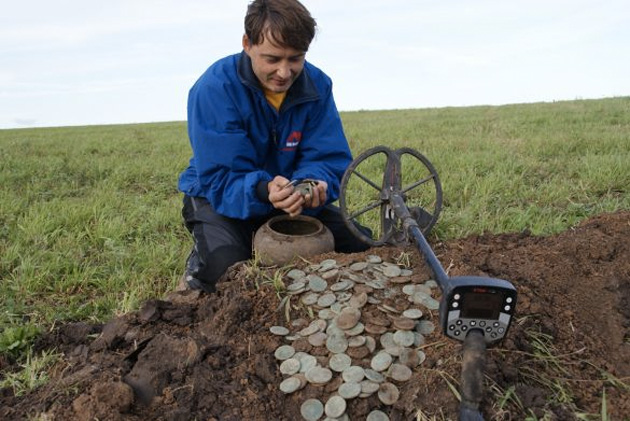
x=90 y=220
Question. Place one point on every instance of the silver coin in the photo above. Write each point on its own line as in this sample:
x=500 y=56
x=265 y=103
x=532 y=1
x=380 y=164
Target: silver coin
x=373 y=300
x=337 y=307
x=314 y=327
x=336 y=344
x=307 y=361
x=419 y=297
x=406 y=272
x=327 y=300
x=394 y=351
x=316 y=283
x=330 y=274
x=421 y=356
x=343 y=297
x=348 y=318
x=359 y=266
x=356 y=341
x=319 y=375
x=387 y=340
x=317 y=339
x=279 y=330
x=296 y=274
x=335 y=406
x=326 y=314
x=340 y=286
x=333 y=329
x=432 y=304
x=353 y=374
x=290 y=385
x=381 y=361
x=312 y=410
x=373 y=259
x=399 y=372
x=295 y=286
x=370 y=343
x=350 y=390
x=390 y=309
x=419 y=339
x=425 y=327
x=374 y=376
x=375 y=284
x=284 y=352
x=290 y=366
x=377 y=415
x=404 y=338
x=358 y=329
x=358 y=300
x=310 y=299
x=339 y=362
x=431 y=283
x=369 y=387
x=412 y=313
x=388 y=393
x=414 y=288
x=391 y=271
x=325 y=265
x=409 y=357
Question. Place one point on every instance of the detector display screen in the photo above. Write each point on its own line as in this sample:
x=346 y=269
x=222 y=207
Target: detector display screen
x=481 y=305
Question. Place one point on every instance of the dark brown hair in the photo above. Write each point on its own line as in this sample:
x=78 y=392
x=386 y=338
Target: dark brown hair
x=287 y=22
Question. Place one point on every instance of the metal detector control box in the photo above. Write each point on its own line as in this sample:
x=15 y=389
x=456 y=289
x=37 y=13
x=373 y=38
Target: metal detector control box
x=485 y=304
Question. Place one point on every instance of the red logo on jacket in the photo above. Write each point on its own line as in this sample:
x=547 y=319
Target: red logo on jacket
x=293 y=141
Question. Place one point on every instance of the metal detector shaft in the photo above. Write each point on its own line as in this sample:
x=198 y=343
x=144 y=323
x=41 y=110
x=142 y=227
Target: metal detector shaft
x=410 y=225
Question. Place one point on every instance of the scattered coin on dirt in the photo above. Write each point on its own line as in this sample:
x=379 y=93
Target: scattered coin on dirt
x=359 y=266
x=279 y=330
x=388 y=393
x=353 y=374
x=348 y=318
x=404 y=338
x=425 y=327
x=381 y=361
x=374 y=376
x=290 y=366
x=290 y=385
x=335 y=406
x=312 y=410
x=377 y=415
x=319 y=375
x=339 y=362
x=412 y=313
x=284 y=352
x=399 y=372
x=349 y=390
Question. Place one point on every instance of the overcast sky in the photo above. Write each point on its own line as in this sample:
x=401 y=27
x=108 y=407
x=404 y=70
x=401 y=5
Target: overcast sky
x=71 y=62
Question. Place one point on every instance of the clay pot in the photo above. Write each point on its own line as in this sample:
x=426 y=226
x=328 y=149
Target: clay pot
x=283 y=238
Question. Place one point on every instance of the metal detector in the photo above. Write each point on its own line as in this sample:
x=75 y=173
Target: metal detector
x=405 y=205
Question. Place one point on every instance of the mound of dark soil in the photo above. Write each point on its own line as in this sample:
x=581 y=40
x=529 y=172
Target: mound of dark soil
x=211 y=357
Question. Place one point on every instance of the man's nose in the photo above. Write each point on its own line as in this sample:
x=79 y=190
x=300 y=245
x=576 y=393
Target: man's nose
x=284 y=71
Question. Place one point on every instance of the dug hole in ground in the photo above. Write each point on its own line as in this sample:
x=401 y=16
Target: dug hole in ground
x=213 y=357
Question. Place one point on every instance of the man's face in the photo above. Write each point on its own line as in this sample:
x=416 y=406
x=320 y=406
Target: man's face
x=275 y=67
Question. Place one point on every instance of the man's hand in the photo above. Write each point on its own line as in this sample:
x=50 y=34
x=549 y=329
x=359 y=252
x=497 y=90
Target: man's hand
x=283 y=196
x=319 y=195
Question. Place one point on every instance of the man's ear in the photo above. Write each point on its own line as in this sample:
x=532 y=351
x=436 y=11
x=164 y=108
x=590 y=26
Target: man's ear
x=246 y=44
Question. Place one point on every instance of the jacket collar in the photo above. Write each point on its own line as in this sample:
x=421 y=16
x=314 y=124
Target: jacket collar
x=302 y=90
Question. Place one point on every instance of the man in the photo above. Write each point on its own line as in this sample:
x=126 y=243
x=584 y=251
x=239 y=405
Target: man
x=257 y=121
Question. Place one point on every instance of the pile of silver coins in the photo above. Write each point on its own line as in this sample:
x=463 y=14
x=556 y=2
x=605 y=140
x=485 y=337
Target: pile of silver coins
x=362 y=340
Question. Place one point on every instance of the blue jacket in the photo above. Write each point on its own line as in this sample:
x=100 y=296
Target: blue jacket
x=240 y=142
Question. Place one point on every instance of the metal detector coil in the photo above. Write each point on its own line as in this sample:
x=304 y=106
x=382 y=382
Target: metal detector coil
x=469 y=303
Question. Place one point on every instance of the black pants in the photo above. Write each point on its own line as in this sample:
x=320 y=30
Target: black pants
x=219 y=241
